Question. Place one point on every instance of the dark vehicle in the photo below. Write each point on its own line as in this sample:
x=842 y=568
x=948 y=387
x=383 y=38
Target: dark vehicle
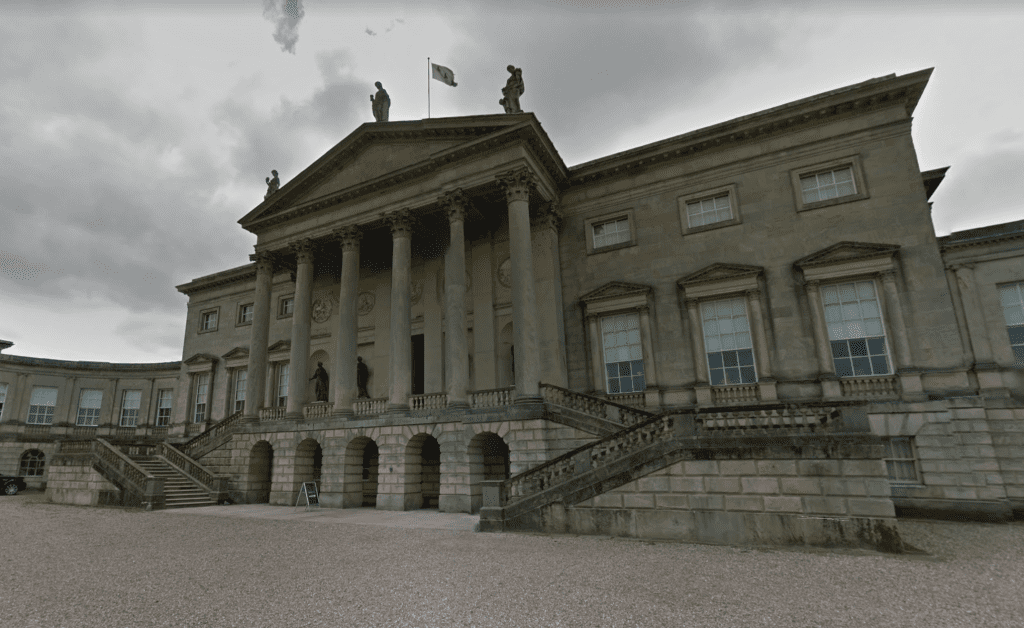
x=11 y=485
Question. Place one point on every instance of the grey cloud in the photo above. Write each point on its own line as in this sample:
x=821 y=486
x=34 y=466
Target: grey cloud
x=286 y=15
x=980 y=191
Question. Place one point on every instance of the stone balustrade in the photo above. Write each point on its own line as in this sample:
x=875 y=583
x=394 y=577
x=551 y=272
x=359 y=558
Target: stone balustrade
x=584 y=404
x=318 y=410
x=215 y=483
x=219 y=429
x=75 y=447
x=870 y=387
x=272 y=414
x=370 y=407
x=633 y=400
x=492 y=398
x=192 y=429
x=737 y=393
x=428 y=402
x=789 y=418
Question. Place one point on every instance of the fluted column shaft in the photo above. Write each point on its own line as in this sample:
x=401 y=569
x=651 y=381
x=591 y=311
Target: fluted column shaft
x=345 y=379
x=517 y=185
x=400 y=360
x=300 y=329
x=700 y=370
x=825 y=364
x=256 y=376
x=456 y=350
x=896 y=323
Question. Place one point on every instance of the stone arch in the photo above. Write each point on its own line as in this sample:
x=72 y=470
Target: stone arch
x=506 y=373
x=319 y=356
x=489 y=459
x=32 y=463
x=258 y=480
x=309 y=456
x=422 y=472
x=362 y=473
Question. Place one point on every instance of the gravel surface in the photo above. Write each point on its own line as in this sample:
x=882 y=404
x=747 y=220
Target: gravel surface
x=67 y=566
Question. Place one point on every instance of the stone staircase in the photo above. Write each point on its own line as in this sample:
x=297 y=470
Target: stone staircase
x=179 y=490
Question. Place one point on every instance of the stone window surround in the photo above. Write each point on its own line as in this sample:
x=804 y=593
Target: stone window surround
x=280 y=306
x=138 y=409
x=749 y=287
x=84 y=420
x=198 y=367
x=593 y=310
x=37 y=413
x=882 y=270
x=239 y=320
x=734 y=206
x=202 y=317
x=860 y=185
x=32 y=460
x=914 y=458
x=170 y=408
x=589 y=224
x=4 y=389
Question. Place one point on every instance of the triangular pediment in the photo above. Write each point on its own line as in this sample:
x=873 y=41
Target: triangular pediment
x=280 y=345
x=614 y=290
x=237 y=352
x=381 y=156
x=201 y=358
x=720 y=272
x=846 y=252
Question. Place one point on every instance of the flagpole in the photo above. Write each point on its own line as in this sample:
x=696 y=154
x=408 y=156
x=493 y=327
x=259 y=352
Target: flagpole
x=428 y=88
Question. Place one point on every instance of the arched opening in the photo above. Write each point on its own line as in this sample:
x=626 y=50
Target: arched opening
x=308 y=460
x=261 y=464
x=362 y=461
x=422 y=472
x=506 y=352
x=33 y=463
x=489 y=459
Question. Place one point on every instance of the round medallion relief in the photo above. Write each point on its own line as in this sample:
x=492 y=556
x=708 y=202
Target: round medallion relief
x=505 y=273
x=321 y=310
x=366 y=301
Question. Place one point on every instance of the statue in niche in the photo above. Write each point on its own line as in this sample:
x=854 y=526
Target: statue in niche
x=381 y=103
x=272 y=185
x=362 y=378
x=320 y=375
x=513 y=90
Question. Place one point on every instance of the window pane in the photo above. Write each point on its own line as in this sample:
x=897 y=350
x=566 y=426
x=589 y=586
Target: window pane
x=715 y=360
x=717 y=377
x=880 y=365
x=844 y=367
x=840 y=349
x=858 y=347
x=746 y=357
x=861 y=366
x=747 y=374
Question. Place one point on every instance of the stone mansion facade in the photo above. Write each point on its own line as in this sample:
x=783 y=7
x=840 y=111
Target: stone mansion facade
x=754 y=320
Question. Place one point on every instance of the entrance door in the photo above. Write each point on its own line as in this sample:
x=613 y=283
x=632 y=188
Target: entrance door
x=417 y=364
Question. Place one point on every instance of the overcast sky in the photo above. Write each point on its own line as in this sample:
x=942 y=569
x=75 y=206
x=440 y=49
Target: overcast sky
x=133 y=139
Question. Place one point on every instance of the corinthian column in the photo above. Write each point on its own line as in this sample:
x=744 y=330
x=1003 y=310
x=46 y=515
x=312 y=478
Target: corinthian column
x=256 y=378
x=300 y=329
x=457 y=351
x=348 y=322
x=517 y=185
x=400 y=360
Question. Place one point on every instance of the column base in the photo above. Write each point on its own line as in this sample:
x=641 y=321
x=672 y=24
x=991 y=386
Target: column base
x=830 y=387
x=766 y=390
x=703 y=394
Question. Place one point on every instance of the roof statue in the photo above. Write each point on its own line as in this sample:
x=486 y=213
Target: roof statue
x=272 y=185
x=513 y=90
x=381 y=103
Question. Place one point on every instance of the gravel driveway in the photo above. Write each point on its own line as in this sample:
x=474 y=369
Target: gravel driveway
x=72 y=566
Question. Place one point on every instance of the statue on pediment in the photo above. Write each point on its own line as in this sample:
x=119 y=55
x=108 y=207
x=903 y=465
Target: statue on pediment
x=513 y=90
x=381 y=103
x=272 y=185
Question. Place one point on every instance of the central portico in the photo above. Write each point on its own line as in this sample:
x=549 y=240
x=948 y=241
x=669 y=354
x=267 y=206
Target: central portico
x=385 y=196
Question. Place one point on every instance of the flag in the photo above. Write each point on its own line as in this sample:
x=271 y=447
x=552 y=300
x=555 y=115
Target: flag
x=442 y=74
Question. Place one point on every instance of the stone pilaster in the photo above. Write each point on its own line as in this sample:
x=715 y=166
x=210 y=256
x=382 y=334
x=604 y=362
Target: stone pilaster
x=548 y=281
x=517 y=184
x=400 y=359
x=347 y=332
x=911 y=386
x=830 y=388
x=981 y=346
x=456 y=351
x=256 y=378
x=300 y=329
x=596 y=354
x=765 y=382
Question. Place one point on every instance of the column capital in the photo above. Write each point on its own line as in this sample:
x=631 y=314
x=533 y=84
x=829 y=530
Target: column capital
x=264 y=261
x=753 y=294
x=549 y=217
x=455 y=203
x=888 y=275
x=691 y=303
x=961 y=266
x=517 y=184
x=812 y=285
x=303 y=250
x=349 y=237
x=401 y=222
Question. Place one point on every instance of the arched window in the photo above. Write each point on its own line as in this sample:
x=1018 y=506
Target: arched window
x=32 y=463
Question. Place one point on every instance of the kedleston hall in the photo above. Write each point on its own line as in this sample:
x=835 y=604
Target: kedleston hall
x=748 y=333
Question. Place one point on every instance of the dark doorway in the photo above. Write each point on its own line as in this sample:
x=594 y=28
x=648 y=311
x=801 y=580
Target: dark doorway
x=417 y=364
x=318 y=463
x=430 y=470
x=370 y=470
x=261 y=464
